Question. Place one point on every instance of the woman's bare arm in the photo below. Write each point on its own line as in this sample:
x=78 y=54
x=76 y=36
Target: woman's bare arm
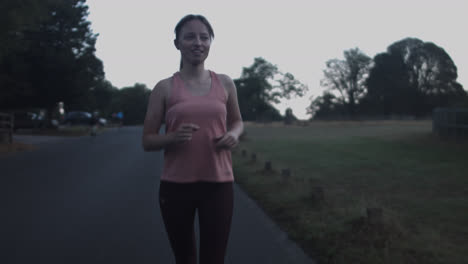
x=235 y=126
x=152 y=140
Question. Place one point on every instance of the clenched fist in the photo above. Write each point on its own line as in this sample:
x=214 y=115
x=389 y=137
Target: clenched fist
x=227 y=141
x=184 y=132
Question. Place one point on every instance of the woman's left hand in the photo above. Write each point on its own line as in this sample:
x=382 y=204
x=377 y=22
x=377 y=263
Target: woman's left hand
x=228 y=141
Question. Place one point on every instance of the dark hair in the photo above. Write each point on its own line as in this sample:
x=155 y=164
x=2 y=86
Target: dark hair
x=188 y=18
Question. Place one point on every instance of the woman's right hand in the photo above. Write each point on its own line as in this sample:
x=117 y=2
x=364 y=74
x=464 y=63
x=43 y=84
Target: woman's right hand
x=184 y=133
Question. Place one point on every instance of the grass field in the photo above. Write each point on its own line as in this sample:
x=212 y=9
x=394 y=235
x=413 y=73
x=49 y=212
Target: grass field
x=417 y=182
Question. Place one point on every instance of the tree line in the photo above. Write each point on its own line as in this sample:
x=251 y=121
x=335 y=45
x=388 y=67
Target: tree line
x=47 y=55
x=410 y=79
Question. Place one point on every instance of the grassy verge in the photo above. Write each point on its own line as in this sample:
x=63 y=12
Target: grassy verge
x=417 y=182
x=66 y=131
x=71 y=131
x=14 y=147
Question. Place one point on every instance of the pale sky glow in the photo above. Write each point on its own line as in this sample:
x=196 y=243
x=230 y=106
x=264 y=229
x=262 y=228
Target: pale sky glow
x=135 y=39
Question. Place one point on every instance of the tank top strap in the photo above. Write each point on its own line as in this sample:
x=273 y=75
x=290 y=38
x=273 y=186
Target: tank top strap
x=176 y=90
x=218 y=89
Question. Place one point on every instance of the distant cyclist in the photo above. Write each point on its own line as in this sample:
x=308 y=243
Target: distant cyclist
x=120 y=117
x=94 y=124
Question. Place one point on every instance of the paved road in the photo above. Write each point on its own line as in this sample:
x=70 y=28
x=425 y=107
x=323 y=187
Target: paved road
x=93 y=200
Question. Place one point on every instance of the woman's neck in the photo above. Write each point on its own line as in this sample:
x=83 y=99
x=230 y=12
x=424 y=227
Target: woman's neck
x=193 y=71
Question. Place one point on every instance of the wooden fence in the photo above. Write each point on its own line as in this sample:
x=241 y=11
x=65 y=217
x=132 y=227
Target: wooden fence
x=450 y=122
x=6 y=127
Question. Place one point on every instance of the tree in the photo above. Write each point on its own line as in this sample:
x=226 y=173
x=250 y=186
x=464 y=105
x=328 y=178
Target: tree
x=261 y=85
x=132 y=101
x=326 y=106
x=412 y=78
x=289 y=116
x=16 y=17
x=251 y=103
x=388 y=89
x=56 y=61
x=102 y=98
x=347 y=77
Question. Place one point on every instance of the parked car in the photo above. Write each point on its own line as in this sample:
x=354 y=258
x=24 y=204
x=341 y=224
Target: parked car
x=78 y=118
x=29 y=119
x=102 y=121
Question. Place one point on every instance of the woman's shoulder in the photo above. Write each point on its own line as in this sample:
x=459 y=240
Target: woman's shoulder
x=226 y=81
x=163 y=86
x=223 y=77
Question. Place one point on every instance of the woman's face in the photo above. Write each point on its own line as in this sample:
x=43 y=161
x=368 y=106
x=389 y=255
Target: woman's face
x=194 y=42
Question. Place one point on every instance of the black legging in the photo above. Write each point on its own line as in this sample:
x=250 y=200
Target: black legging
x=214 y=202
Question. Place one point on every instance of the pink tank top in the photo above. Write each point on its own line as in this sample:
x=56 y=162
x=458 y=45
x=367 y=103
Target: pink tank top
x=198 y=159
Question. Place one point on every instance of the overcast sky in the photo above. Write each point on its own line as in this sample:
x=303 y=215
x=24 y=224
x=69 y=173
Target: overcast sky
x=135 y=39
